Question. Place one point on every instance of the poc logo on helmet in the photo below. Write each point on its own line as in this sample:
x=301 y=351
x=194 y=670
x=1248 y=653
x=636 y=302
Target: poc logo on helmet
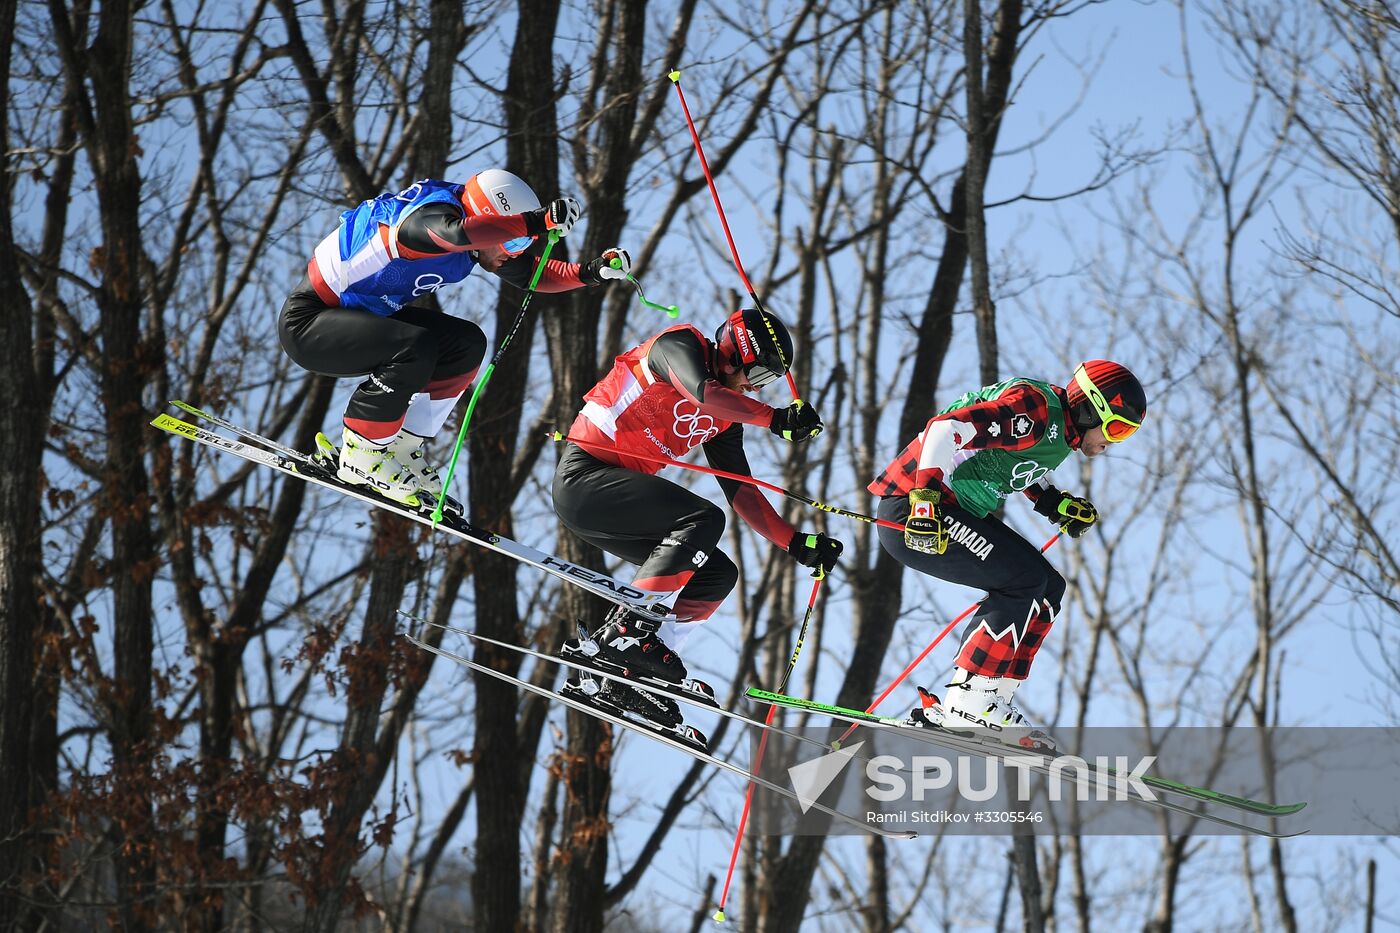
x=504 y=201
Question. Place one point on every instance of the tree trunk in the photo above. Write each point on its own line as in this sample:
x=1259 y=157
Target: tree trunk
x=573 y=339
x=110 y=142
x=20 y=552
x=978 y=161
x=532 y=153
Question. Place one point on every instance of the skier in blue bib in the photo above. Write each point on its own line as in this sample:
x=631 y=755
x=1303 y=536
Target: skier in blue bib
x=353 y=313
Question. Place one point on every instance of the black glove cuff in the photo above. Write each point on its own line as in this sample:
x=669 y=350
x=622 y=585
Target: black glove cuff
x=534 y=222
x=1049 y=503
x=591 y=274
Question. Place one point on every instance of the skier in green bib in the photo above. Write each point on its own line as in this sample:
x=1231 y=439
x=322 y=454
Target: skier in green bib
x=943 y=488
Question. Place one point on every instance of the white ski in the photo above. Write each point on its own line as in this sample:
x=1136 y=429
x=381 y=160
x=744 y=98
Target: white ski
x=305 y=467
x=666 y=740
x=954 y=741
x=678 y=695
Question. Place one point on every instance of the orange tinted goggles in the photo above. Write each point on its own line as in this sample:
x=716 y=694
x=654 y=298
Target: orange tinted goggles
x=1115 y=427
x=1118 y=428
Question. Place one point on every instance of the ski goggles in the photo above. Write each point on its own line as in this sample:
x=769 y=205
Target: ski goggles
x=1116 y=428
x=756 y=371
x=759 y=375
x=517 y=246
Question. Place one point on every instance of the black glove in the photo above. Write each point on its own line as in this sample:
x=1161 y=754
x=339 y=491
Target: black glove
x=924 y=530
x=614 y=264
x=797 y=423
x=815 y=550
x=1073 y=514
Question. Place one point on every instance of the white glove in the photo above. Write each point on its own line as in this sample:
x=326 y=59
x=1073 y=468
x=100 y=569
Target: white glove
x=616 y=264
x=561 y=214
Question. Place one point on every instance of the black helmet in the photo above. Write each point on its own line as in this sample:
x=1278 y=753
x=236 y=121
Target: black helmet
x=757 y=343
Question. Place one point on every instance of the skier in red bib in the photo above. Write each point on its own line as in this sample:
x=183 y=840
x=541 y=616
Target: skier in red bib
x=354 y=312
x=673 y=393
x=943 y=488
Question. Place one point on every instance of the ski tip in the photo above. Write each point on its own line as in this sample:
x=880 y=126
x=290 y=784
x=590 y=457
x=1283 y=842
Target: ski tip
x=719 y=916
x=675 y=77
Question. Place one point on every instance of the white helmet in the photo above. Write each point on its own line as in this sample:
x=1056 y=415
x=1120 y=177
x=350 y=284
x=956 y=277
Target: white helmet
x=496 y=191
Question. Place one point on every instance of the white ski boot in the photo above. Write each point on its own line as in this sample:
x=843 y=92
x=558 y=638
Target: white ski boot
x=364 y=463
x=977 y=700
x=407 y=449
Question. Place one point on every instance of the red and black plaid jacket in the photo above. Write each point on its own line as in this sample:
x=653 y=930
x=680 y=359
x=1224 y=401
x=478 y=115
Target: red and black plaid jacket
x=992 y=423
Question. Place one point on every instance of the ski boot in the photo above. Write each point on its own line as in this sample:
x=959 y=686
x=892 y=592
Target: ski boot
x=358 y=454
x=407 y=449
x=981 y=701
x=361 y=462
x=658 y=714
x=627 y=645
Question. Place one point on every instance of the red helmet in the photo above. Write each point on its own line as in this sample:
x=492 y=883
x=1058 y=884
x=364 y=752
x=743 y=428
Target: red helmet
x=1105 y=394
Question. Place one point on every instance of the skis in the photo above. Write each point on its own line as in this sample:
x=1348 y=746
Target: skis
x=680 y=696
x=315 y=469
x=660 y=736
x=683 y=697
x=965 y=742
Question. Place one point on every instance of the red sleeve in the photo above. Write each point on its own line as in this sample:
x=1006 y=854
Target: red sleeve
x=726 y=452
x=678 y=359
x=755 y=509
x=559 y=277
x=438 y=228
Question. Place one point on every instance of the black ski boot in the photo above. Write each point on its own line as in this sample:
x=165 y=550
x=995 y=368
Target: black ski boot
x=637 y=705
x=630 y=643
x=618 y=697
x=627 y=646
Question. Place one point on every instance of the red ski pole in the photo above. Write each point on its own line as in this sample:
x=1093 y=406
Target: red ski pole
x=737 y=477
x=675 y=77
x=762 y=746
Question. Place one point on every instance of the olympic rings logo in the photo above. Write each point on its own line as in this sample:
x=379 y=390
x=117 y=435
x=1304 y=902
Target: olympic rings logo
x=1026 y=472
x=427 y=283
x=692 y=425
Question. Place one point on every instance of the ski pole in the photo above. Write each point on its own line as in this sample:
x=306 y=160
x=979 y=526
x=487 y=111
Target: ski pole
x=671 y=310
x=490 y=367
x=802 y=633
x=675 y=77
x=737 y=477
x=925 y=653
x=763 y=742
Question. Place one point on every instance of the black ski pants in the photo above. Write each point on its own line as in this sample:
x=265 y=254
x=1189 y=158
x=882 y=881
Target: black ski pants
x=670 y=531
x=414 y=350
x=1024 y=591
